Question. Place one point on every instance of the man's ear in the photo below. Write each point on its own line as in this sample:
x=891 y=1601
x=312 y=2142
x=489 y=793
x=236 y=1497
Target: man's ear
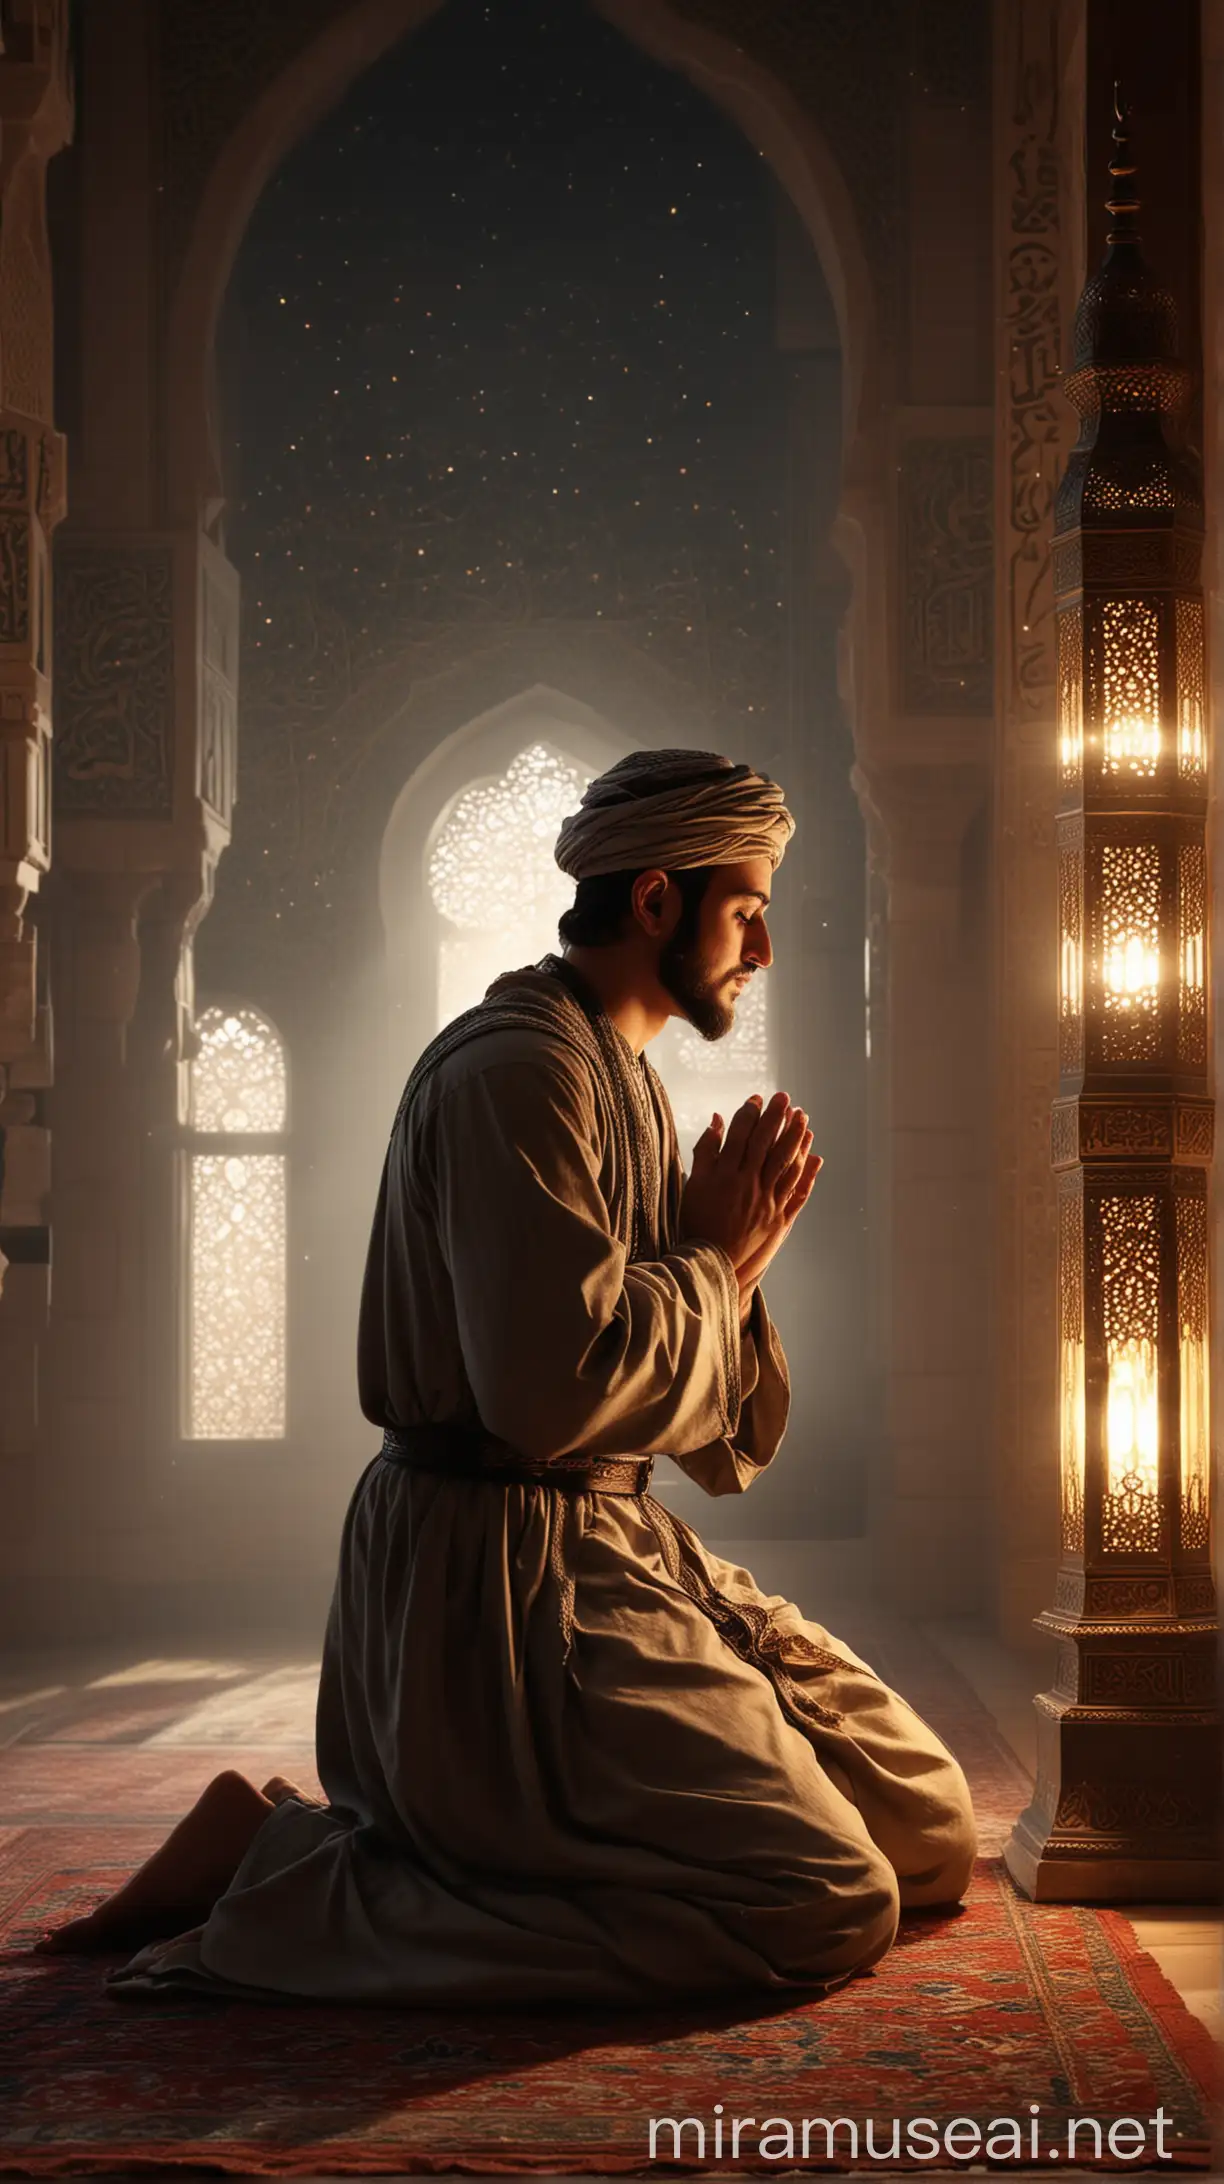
x=650 y=901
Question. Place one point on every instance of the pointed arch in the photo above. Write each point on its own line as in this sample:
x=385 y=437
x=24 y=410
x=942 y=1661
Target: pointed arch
x=311 y=81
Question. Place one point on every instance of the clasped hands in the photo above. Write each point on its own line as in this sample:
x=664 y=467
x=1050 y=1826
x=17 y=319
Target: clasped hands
x=749 y=1182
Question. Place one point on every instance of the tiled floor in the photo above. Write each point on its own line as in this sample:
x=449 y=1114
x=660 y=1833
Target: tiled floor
x=115 y=1701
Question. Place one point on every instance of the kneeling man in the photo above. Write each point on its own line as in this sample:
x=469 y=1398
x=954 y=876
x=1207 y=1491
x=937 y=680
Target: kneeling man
x=569 y=1754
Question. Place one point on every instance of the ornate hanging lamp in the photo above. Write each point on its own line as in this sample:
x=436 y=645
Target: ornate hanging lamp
x=1127 y=1796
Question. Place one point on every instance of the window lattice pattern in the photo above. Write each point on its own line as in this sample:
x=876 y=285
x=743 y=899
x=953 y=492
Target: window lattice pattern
x=238 y=1075
x=1130 y=639
x=1191 y=732
x=1071 y=960
x=1191 y=954
x=1130 y=954
x=1071 y=1359
x=236 y=1243
x=1193 y=1336
x=237 y=1297
x=492 y=861
x=1071 y=694
x=1130 y=1292
x=493 y=876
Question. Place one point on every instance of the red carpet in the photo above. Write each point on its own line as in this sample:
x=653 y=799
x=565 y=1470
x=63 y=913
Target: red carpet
x=976 y=2015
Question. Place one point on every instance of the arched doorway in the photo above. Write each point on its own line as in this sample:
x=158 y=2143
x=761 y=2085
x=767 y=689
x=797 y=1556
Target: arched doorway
x=322 y=980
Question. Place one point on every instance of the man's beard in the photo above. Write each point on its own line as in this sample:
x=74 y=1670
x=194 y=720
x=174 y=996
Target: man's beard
x=680 y=973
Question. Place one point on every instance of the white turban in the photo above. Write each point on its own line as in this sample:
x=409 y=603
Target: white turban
x=674 y=810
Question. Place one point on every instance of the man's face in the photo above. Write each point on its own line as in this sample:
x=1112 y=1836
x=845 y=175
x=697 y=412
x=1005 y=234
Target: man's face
x=706 y=969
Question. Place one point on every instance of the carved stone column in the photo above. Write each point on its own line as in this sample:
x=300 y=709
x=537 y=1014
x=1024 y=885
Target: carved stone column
x=1035 y=235
x=930 y=1506
x=818 y=921
x=35 y=120
x=917 y=680
x=146 y=653
x=91 y=1364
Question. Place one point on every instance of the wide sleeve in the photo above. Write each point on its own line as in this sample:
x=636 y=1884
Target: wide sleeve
x=569 y=1348
x=729 y=1464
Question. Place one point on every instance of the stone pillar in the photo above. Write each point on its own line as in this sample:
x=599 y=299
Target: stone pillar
x=35 y=120
x=1038 y=253
x=145 y=657
x=917 y=667
x=916 y=531
x=91 y=1388
x=820 y=1295
x=146 y=651
x=916 y=660
x=930 y=1485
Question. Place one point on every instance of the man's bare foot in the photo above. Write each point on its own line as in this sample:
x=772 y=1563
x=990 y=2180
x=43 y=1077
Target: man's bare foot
x=279 y=1787
x=180 y=1883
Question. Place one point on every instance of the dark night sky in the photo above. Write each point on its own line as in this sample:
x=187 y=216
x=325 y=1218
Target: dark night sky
x=498 y=347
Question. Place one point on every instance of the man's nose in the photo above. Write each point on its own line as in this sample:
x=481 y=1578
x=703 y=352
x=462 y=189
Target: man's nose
x=760 y=948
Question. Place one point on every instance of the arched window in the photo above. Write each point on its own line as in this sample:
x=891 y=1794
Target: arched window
x=236 y=1255
x=492 y=875
x=495 y=884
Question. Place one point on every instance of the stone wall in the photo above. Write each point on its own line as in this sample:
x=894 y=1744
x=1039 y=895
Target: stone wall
x=35 y=121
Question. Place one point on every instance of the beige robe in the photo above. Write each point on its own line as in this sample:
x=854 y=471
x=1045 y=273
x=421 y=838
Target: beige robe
x=568 y=1753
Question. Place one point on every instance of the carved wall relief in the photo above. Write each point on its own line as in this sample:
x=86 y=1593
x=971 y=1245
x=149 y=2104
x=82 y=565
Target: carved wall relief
x=1137 y=1129
x=1148 y=1679
x=1034 y=424
x=14 y=578
x=1195 y=1132
x=25 y=291
x=114 y=680
x=14 y=467
x=947 y=564
x=1100 y=1810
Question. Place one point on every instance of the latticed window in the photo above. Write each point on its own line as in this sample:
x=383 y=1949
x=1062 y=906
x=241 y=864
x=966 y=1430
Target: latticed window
x=236 y=1255
x=492 y=875
x=495 y=884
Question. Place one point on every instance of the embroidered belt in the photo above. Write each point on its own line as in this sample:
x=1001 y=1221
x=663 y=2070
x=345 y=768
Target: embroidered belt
x=459 y=1452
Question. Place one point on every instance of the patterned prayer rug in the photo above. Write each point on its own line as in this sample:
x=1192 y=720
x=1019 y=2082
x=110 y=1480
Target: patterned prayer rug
x=1005 y=2011
x=1013 y=2017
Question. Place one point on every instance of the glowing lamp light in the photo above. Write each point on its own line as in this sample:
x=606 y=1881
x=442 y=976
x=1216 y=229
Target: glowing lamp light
x=1071 y=975
x=1132 y=970
x=1132 y=1419
x=1132 y=744
x=1191 y=743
